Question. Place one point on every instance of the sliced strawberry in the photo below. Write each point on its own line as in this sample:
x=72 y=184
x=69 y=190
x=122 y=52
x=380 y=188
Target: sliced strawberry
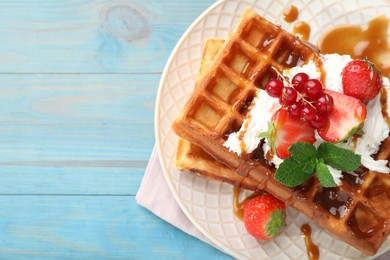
x=345 y=119
x=361 y=79
x=264 y=216
x=287 y=131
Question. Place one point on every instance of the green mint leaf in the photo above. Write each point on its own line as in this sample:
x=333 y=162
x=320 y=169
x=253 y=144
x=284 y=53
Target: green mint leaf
x=324 y=175
x=310 y=166
x=303 y=152
x=339 y=158
x=291 y=173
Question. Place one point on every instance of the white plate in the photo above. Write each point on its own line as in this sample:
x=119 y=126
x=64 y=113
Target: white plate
x=208 y=203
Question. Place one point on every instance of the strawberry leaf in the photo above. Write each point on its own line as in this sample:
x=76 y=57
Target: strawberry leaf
x=276 y=223
x=270 y=130
x=339 y=158
x=324 y=175
x=270 y=135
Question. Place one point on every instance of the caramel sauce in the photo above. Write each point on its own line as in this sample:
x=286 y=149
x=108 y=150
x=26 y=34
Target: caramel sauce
x=247 y=68
x=312 y=250
x=233 y=127
x=291 y=14
x=334 y=200
x=384 y=106
x=238 y=205
x=303 y=29
x=269 y=155
x=245 y=107
x=371 y=42
x=243 y=147
x=354 y=140
x=322 y=71
x=355 y=178
x=258 y=154
x=242 y=134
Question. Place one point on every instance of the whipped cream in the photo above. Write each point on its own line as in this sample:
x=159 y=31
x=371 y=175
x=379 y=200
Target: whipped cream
x=256 y=122
x=263 y=107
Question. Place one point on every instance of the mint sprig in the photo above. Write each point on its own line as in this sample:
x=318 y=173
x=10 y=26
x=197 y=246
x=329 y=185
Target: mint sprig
x=305 y=160
x=339 y=158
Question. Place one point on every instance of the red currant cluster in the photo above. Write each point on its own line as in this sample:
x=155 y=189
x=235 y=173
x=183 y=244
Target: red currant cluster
x=303 y=97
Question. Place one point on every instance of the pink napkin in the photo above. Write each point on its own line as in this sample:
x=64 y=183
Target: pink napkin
x=154 y=192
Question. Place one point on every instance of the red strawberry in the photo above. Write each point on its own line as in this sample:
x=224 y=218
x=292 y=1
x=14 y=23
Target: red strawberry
x=287 y=131
x=345 y=119
x=264 y=216
x=361 y=79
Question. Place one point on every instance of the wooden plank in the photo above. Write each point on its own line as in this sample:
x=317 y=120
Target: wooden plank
x=92 y=36
x=75 y=134
x=91 y=227
x=100 y=179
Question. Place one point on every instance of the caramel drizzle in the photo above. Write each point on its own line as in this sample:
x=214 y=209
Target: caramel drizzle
x=302 y=28
x=291 y=14
x=238 y=205
x=313 y=253
x=384 y=106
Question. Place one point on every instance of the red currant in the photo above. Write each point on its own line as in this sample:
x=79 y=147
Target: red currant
x=299 y=81
x=308 y=112
x=319 y=121
x=274 y=87
x=324 y=103
x=288 y=96
x=313 y=89
x=295 y=109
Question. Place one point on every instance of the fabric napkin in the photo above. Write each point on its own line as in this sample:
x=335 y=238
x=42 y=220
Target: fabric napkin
x=155 y=195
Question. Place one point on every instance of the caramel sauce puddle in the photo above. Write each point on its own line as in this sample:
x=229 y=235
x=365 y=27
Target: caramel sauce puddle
x=303 y=29
x=371 y=42
x=300 y=28
x=290 y=14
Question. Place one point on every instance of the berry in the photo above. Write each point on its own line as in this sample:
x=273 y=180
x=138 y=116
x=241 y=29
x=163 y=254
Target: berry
x=344 y=120
x=274 y=87
x=324 y=103
x=312 y=89
x=287 y=131
x=264 y=216
x=361 y=79
x=319 y=121
x=299 y=81
x=308 y=112
x=295 y=109
x=288 y=96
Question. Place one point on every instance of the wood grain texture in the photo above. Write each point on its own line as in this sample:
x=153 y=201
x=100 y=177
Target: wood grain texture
x=75 y=134
x=78 y=82
x=90 y=227
x=116 y=36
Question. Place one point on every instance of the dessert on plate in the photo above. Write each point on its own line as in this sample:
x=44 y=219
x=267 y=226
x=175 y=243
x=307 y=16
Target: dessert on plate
x=329 y=161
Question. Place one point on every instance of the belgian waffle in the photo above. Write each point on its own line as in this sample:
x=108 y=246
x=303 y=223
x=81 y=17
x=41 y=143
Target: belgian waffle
x=357 y=212
x=192 y=158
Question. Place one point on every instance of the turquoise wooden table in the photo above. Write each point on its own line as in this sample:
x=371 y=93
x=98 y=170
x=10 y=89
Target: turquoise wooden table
x=78 y=82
